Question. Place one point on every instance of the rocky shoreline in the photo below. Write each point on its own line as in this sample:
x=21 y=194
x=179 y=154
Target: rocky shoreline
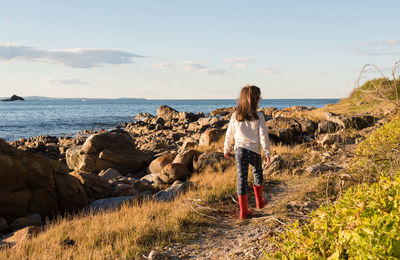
x=151 y=158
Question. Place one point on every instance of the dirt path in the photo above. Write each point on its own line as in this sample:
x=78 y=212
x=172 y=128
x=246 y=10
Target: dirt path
x=290 y=198
x=230 y=238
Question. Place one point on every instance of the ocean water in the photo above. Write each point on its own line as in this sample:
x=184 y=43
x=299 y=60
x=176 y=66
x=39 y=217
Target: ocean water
x=65 y=117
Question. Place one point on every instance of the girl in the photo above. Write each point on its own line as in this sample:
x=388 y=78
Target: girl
x=247 y=127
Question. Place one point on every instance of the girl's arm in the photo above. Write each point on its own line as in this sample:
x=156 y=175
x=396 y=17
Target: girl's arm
x=264 y=139
x=229 y=136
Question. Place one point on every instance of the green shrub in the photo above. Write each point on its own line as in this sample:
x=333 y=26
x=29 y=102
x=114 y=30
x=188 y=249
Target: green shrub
x=379 y=154
x=363 y=224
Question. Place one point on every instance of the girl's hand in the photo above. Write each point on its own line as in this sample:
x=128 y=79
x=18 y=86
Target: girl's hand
x=267 y=161
x=226 y=155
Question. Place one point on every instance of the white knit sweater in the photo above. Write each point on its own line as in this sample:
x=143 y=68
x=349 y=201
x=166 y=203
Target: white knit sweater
x=250 y=135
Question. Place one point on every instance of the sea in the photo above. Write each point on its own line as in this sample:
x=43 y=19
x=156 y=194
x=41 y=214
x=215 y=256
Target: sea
x=66 y=117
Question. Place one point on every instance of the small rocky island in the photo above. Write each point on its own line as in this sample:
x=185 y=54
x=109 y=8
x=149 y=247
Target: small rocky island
x=14 y=98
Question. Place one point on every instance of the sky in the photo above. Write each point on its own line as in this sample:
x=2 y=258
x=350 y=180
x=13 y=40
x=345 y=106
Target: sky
x=187 y=49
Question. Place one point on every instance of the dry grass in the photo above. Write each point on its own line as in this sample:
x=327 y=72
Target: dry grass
x=129 y=232
x=136 y=228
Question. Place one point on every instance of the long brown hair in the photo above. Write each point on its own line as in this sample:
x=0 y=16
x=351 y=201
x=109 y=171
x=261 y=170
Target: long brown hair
x=247 y=103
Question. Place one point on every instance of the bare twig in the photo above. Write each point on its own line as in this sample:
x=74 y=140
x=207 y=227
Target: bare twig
x=381 y=96
x=273 y=218
x=233 y=199
x=201 y=213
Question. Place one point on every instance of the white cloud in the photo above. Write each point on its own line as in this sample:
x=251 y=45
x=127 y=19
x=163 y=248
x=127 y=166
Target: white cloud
x=189 y=66
x=381 y=43
x=389 y=47
x=239 y=63
x=213 y=71
x=76 y=58
x=240 y=60
x=67 y=81
x=162 y=65
x=270 y=71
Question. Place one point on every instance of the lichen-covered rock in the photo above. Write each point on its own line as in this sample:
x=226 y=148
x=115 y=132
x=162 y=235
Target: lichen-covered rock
x=95 y=186
x=115 y=149
x=166 y=112
x=109 y=174
x=185 y=157
x=28 y=184
x=70 y=192
x=173 y=172
x=159 y=163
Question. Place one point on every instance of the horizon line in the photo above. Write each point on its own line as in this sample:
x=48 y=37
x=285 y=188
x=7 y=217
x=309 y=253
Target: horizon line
x=164 y=98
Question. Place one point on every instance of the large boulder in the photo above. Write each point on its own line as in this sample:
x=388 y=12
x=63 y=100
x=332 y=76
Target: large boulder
x=285 y=130
x=30 y=183
x=185 y=157
x=327 y=127
x=70 y=192
x=173 y=172
x=166 y=112
x=159 y=163
x=95 y=186
x=115 y=149
x=223 y=111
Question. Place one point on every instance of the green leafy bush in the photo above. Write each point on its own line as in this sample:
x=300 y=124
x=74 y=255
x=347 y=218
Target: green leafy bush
x=363 y=224
x=379 y=154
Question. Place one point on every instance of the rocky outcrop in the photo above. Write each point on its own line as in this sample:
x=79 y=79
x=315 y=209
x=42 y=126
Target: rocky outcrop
x=115 y=149
x=14 y=98
x=174 y=171
x=95 y=186
x=185 y=157
x=166 y=112
x=223 y=111
x=30 y=183
x=158 y=164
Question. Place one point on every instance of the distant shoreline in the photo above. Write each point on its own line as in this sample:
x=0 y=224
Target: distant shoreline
x=156 y=99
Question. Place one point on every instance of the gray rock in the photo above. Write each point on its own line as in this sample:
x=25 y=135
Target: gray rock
x=152 y=178
x=155 y=255
x=322 y=167
x=174 y=171
x=109 y=174
x=124 y=190
x=170 y=193
x=109 y=203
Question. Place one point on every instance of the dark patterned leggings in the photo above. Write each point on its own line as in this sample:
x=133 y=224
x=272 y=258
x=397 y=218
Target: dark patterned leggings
x=243 y=158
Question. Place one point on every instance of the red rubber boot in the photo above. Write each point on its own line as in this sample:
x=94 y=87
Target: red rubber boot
x=260 y=201
x=244 y=211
